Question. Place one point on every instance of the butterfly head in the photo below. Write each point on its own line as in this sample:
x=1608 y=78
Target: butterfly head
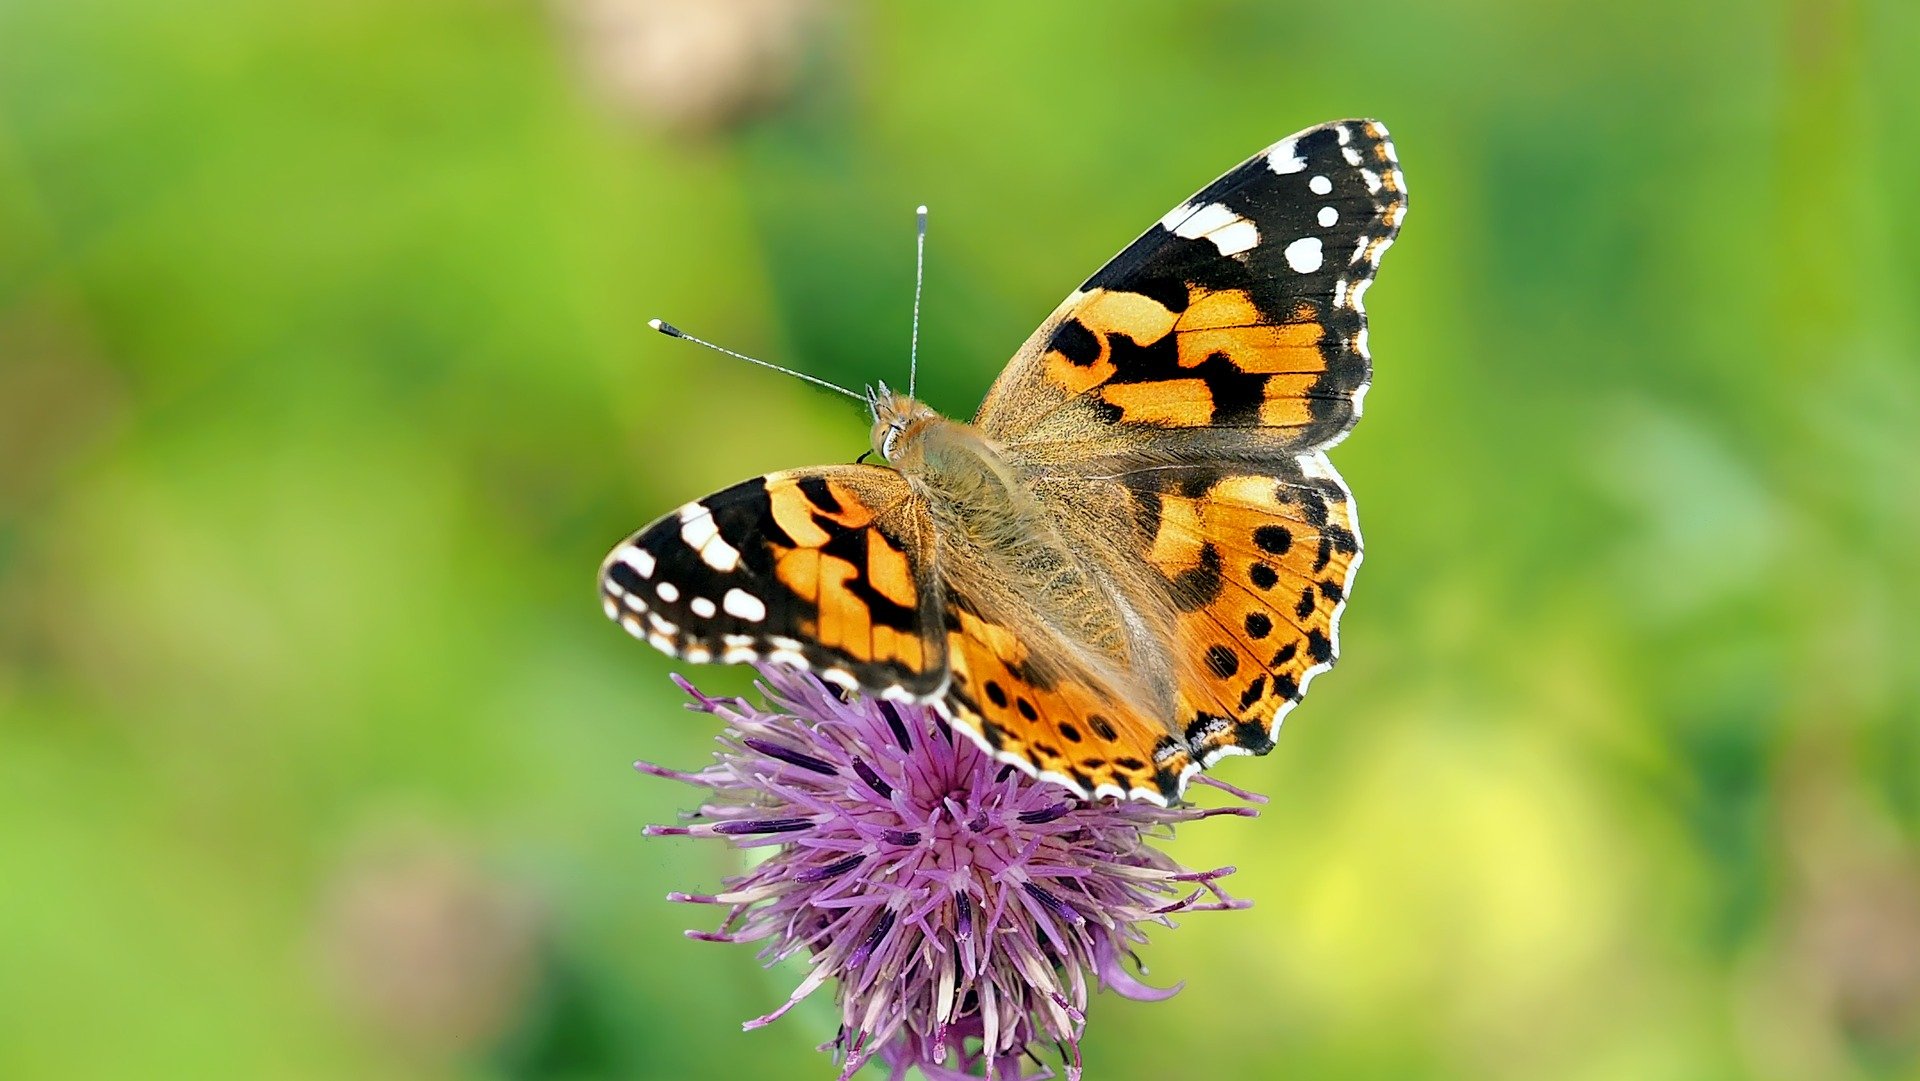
x=897 y=420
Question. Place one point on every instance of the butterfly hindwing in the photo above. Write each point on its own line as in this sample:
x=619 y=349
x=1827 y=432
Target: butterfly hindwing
x=1235 y=324
x=824 y=569
x=1258 y=565
x=1052 y=719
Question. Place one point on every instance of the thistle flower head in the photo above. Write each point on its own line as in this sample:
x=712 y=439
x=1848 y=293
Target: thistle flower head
x=962 y=910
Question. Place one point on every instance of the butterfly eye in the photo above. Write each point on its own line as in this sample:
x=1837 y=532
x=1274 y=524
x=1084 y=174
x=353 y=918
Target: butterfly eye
x=886 y=443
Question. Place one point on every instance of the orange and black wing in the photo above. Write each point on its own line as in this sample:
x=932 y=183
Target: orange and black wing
x=823 y=569
x=1052 y=719
x=1258 y=567
x=1234 y=327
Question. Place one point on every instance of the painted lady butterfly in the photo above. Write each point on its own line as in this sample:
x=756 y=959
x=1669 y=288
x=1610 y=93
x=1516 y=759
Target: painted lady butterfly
x=1134 y=559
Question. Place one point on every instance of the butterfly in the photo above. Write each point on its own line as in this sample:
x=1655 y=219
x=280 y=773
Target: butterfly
x=1134 y=559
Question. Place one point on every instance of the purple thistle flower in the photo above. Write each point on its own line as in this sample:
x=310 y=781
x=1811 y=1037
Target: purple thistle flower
x=962 y=909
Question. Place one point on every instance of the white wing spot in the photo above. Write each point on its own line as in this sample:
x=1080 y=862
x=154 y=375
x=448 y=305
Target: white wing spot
x=703 y=607
x=1283 y=158
x=744 y=605
x=1320 y=185
x=721 y=556
x=1230 y=232
x=1359 y=290
x=1353 y=156
x=1373 y=180
x=696 y=525
x=639 y=559
x=1241 y=236
x=1317 y=466
x=1328 y=216
x=701 y=535
x=1303 y=255
x=1205 y=220
x=668 y=592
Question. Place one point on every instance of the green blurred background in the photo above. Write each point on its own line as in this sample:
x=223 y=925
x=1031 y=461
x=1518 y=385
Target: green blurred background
x=325 y=383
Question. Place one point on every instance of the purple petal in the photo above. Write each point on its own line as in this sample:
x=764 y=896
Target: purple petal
x=764 y=825
x=873 y=780
x=790 y=756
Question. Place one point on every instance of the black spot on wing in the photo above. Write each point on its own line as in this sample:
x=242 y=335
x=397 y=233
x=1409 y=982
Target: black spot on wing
x=1199 y=585
x=1319 y=647
x=1169 y=293
x=1192 y=483
x=1340 y=539
x=626 y=577
x=1075 y=342
x=819 y=494
x=851 y=545
x=1254 y=692
x=1222 y=661
x=1236 y=394
x=1252 y=736
x=1168 y=782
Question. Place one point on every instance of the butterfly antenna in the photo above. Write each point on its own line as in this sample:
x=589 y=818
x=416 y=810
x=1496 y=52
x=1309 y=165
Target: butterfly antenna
x=672 y=331
x=919 y=276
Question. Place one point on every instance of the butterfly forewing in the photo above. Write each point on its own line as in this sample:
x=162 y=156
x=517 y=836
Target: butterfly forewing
x=824 y=569
x=1234 y=326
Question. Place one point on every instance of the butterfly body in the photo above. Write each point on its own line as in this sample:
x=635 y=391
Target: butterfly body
x=1133 y=560
x=1019 y=554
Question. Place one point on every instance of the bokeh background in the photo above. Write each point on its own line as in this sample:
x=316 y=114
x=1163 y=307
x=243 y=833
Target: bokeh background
x=325 y=383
